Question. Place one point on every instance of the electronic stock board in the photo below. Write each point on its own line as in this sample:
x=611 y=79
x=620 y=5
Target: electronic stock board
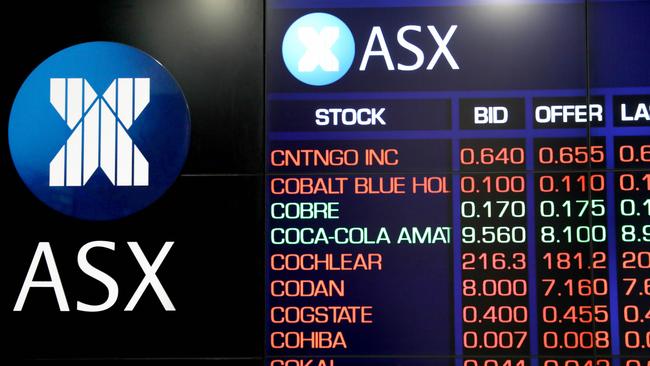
x=458 y=182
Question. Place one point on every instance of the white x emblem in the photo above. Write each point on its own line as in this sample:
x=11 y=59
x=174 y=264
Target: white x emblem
x=319 y=49
x=99 y=138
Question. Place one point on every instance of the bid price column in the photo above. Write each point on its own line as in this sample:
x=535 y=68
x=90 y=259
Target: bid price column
x=493 y=233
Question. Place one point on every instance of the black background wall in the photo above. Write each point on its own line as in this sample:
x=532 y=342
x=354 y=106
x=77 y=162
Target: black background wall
x=214 y=212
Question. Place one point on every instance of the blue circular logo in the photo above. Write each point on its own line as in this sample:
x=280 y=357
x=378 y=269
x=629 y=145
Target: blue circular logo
x=99 y=131
x=318 y=49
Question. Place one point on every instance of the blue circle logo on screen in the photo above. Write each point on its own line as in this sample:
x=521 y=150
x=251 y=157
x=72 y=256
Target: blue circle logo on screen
x=99 y=131
x=318 y=49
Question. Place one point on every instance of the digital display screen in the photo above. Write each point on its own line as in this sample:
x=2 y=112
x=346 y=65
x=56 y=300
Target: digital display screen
x=466 y=183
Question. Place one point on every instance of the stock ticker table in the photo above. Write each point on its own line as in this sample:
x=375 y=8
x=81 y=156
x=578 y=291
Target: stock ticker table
x=490 y=207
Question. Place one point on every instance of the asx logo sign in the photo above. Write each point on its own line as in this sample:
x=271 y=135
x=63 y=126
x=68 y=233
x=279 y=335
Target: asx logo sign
x=318 y=49
x=45 y=255
x=99 y=157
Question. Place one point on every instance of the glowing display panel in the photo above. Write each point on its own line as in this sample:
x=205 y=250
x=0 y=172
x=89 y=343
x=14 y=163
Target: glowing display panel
x=472 y=190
